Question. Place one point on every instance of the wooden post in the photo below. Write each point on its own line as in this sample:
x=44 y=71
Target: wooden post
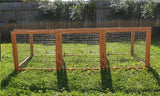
x=31 y=44
x=15 y=52
x=104 y=51
x=57 y=50
x=132 y=42
x=59 y=59
x=102 y=40
x=148 y=44
x=60 y=50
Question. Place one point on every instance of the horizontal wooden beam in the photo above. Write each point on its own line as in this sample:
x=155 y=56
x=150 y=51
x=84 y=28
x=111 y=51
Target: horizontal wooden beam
x=96 y=54
x=81 y=30
x=81 y=68
x=126 y=29
x=118 y=54
x=35 y=32
x=125 y=67
x=23 y=69
x=51 y=69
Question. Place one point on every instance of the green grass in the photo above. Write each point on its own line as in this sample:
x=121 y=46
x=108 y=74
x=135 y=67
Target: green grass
x=122 y=82
x=87 y=55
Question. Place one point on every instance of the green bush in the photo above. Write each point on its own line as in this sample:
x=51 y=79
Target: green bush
x=68 y=11
x=133 y=9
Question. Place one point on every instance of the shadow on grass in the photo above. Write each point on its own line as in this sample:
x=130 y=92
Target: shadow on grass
x=62 y=82
x=155 y=42
x=106 y=78
x=62 y=78
x=155 y=74
x=5 y=81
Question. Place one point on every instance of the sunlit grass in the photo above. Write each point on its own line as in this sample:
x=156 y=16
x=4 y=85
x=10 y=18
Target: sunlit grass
x=80 y=82
x=79 y=55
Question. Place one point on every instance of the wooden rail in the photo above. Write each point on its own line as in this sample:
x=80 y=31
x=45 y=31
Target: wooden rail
x=26 y=60
x=102 y=41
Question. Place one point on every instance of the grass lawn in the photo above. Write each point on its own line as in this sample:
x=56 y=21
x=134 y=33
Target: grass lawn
x=121 y=82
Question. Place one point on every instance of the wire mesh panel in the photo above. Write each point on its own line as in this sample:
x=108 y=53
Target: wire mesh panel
x=44 y=50
x=23 y=46
x=81 y=50
x=140 y=45
x=118 y=43
x=90 y=48
x=119 y=49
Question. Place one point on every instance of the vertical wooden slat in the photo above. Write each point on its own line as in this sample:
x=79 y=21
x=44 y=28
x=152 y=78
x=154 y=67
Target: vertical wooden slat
x=60 y=50
x=104 y=50
x=59 y=59
x=148 y=44
x=31 y=44
x=101 y=50
x=15 y=52
x=132 y=42
x=57 y=50
x=102 y=40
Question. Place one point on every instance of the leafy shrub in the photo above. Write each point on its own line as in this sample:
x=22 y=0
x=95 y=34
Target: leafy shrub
x=76 y=11
x=69 y=11
x=51 y=10
x=132 y=8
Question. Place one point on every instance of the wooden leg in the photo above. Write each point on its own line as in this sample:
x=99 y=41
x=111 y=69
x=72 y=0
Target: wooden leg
x=59 y=59
x=102 y=40
x=60 y=51
x=57 y=50
x=148 y=44
x=132 y=42
x=15 y=52
x=31 y=44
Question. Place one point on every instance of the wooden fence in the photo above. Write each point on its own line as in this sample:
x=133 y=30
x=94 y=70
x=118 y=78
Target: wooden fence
x=26 y=14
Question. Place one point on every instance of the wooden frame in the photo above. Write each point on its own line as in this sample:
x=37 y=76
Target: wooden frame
x=102 y=40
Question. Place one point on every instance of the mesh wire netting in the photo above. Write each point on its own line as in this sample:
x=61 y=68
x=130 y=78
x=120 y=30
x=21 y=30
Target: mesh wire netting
x=82 y=50
x=44 y=50
x=140 y=45
x=118 y=47
x=23 y=47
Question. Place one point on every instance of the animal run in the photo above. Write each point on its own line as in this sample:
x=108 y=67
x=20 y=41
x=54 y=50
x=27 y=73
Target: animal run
x=81 y=48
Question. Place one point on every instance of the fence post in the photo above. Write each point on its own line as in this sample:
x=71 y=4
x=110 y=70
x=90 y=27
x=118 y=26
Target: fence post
x=60 y=50
x=31 y=44
x=59 y=60
x=15 y=52
x=102 y=39
x=148 y=44
x=132 y=42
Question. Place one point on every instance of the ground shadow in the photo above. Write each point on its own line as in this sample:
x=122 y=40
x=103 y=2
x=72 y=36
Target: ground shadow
x=62 y=78
x=106 y=78
x=5 y=81
x=155 y=42
x=155 y=74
